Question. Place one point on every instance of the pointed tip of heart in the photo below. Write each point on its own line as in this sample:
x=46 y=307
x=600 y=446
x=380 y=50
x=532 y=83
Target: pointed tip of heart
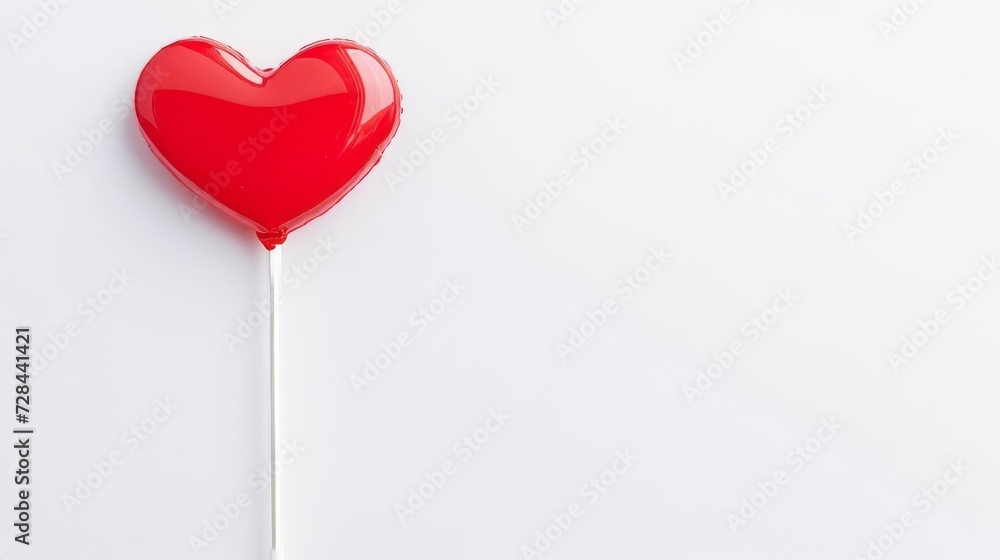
x=271 y=239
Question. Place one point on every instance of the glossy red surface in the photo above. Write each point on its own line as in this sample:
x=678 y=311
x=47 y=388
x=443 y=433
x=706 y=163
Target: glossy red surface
x=272 y=148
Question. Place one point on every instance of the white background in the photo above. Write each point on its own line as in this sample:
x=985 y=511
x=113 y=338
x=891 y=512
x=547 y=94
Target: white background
x=163 y=337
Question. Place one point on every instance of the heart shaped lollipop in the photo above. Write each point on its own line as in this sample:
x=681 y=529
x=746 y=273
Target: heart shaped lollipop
x=272 y=148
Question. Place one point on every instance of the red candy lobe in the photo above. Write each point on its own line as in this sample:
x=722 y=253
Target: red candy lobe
x=271 y=148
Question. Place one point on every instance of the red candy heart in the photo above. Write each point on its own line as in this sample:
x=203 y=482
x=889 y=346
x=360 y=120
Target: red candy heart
x=272 y=148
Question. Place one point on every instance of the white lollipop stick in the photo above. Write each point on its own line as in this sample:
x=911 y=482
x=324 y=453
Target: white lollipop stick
x=275 y=283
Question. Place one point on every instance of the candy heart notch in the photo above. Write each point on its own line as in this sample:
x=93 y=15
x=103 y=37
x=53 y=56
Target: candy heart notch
x=272 y=148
